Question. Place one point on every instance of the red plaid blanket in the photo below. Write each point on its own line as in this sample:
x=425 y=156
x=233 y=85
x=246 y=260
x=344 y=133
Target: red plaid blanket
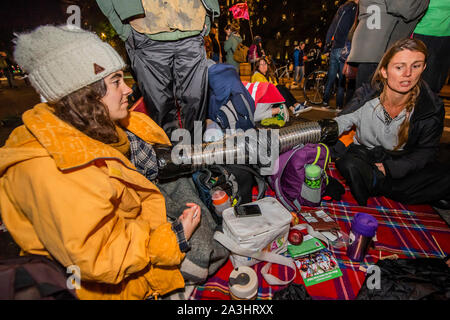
x=402 y=229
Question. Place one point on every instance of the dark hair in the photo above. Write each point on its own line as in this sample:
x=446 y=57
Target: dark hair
x=84 y=110
x=258 y=63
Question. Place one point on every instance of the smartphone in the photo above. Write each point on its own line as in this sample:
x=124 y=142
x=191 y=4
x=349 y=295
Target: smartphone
x=249 y=210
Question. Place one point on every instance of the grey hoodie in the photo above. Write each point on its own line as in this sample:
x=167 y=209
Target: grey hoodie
x=371 y=128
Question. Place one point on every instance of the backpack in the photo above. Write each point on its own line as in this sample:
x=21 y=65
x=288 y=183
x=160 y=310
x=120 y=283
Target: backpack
x=230 y=105
x=240 y=54
x=287 y=181
x=236 y=180
x=33 y=277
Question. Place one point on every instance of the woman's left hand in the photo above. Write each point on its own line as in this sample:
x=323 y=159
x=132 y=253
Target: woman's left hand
x=381 y=167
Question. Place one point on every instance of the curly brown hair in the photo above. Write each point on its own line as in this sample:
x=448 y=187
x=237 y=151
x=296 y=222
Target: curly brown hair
x=84 y=110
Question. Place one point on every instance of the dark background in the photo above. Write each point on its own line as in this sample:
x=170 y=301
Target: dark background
x=281 y=23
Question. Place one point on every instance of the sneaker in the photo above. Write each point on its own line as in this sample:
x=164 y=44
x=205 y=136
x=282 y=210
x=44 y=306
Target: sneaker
x=301 y=107
x=284 y=113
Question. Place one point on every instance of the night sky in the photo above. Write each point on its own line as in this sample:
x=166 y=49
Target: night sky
x=24 y=15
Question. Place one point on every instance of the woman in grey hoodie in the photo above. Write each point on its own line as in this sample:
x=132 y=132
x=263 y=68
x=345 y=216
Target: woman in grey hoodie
x=399 y=123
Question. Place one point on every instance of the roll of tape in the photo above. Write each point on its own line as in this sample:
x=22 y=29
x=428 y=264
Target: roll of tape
x=243 y=283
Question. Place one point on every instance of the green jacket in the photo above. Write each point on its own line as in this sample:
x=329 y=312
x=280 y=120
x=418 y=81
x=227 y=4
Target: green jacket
x=118 y=11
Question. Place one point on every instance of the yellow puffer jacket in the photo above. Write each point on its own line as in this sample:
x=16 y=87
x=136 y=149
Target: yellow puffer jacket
x=80 y=201
x=259 y=77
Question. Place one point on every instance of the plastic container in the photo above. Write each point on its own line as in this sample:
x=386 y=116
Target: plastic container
x=364 y=228
x=312 y=186
x=221 y=201
x=243 y=284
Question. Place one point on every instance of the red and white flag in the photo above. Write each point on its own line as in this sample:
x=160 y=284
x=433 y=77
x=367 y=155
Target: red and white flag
x=240 y=10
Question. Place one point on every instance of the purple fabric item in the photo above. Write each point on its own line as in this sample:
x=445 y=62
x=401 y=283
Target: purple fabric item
x=287 y=182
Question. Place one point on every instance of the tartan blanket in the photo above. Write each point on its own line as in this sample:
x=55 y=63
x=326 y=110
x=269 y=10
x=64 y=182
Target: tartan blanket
x=406 y=230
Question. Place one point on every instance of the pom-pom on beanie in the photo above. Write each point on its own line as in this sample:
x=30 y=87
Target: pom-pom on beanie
x=60 y=60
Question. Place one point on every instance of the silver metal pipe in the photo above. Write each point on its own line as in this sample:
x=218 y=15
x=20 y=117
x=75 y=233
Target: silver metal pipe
x=301 y=133
x=240 y=145
x=242 y=148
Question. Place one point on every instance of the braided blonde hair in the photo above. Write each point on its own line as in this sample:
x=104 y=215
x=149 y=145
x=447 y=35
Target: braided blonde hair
x=380 y=83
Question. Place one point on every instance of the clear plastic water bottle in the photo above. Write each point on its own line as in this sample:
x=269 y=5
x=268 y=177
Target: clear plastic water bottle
x=312 y=186
x=220 y=200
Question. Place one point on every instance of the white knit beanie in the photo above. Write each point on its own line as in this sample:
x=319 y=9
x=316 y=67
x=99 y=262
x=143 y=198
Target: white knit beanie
x=61 y=60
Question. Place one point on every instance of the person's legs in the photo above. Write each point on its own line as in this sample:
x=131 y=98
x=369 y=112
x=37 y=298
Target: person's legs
x=350 y=90
x=427 y=185
x=287 y=95
x=296 y=73
x=358 y=175
x=365 y=73
x=9 y=75
x=340 y=87
x=333 y=70
x=152 y=62
x=438 y=62
x=301 y=74
x=191 y=80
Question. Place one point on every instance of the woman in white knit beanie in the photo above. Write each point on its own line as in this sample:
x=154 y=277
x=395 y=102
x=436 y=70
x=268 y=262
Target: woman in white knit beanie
x=69 y=187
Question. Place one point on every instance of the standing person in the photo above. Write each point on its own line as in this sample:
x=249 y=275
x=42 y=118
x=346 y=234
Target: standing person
x=314 y=57
x=434 y=30
x=399 y=123
x=299 y=65
x=381 y=23
x=5 y=66
x=167 y=55
x=255 y=51
x=91 y=206
x=232 y=40
x=216 y=49
x=335 y=40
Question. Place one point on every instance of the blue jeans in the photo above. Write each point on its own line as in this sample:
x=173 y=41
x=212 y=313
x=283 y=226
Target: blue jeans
x=335 y=69
x=299 y=73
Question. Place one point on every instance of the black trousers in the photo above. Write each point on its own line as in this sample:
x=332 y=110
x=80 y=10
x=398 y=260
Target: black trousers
x=430 y=184
x=171 y=74
x=287 y=95
x=365 y=73
x=438 y=61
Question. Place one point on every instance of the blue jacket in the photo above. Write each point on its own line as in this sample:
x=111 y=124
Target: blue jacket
x=298 y=57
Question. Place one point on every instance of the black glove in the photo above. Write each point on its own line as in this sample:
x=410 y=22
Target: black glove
x=292 y=292
x=334 y=189
x=329 y=131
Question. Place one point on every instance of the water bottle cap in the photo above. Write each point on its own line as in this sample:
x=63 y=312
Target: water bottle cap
x=312 y=171
x=364 y=224
x=219 y=197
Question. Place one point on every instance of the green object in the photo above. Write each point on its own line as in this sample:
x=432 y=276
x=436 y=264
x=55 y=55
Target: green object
x=309 y=245
x=313 y=176
x=436 y=21
x=315 y=263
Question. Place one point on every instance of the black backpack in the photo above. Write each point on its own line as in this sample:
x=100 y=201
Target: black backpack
x=236 y=180
x=33 y=277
